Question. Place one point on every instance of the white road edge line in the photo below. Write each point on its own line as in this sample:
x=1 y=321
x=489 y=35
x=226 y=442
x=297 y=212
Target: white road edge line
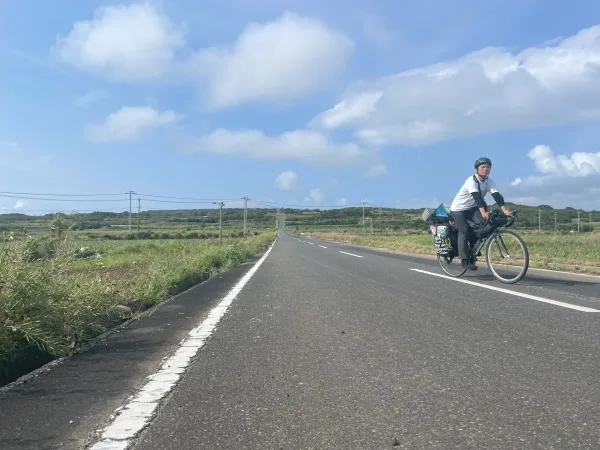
x=566 y=273
x=351 y=254
x=322 y=246
x=132 y=418
x=508 y=291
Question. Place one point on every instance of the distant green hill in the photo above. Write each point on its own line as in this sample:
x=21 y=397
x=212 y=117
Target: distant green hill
x=193 y=218
x=397 y=219
x=381 y=218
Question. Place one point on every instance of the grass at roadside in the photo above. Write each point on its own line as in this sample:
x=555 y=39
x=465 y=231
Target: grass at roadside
x=580 y=252
x=57 y=295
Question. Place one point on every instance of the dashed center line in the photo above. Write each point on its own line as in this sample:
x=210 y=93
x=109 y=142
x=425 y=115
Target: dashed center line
x=351 y=254
x=323 y=246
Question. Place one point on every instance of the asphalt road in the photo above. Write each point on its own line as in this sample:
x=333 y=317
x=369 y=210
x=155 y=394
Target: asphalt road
x=335 y=346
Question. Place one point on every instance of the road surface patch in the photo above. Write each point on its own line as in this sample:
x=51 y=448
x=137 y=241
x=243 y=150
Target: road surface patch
x=508 y=291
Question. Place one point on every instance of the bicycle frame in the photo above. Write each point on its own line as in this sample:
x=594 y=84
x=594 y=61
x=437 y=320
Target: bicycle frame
x=480 y=243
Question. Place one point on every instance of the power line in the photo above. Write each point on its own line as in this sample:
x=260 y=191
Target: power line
x=258 y=202
x=210 y=200
x=173 y=201
x=153 y=198
x=305 y=206
x=63 y=195
x=63 y=199
x=20 y=210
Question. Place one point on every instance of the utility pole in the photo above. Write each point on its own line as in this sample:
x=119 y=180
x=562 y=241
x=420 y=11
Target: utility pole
x=540 y=220
x=578 y=220
x=555 y=221
x=220 y=219
x=380 y=222
x=139 y=208
x=130 y=192
x=363 y=203
x=245 y=214
x=591 y=222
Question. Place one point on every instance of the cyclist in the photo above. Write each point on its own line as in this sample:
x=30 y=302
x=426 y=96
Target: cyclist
x=469 y=204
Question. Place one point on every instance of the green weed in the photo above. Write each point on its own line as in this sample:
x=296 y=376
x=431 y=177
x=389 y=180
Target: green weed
x=58 y=294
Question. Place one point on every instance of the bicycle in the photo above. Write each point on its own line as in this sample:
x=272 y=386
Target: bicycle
x=446 y=245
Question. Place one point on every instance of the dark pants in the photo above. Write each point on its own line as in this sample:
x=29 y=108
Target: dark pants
x=460 y=222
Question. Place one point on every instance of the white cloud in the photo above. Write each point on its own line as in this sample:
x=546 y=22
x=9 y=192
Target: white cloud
x=562 y=180
x=376 y=171
x=577 y=165
x=306 y=146
x=287 y=180
x=276 y=62
x=129 y=123
x=315 y=196
x=19 y=204
x=341 y=201
x=349 y=110
x=485 y=91
x=123 y=42
x=559 y=192
x=90 y=98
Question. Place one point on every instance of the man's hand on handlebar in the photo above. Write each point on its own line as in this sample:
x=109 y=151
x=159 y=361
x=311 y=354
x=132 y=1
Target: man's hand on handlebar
x=506 y=211
x=484 y=214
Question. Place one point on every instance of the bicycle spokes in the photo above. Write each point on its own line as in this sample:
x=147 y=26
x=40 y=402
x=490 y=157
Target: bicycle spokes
x=507 y=256
x=478 y=246
x=503 y=250
x=451 y=266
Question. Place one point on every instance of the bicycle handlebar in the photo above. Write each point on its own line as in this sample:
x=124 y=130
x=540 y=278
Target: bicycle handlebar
x=509 y=222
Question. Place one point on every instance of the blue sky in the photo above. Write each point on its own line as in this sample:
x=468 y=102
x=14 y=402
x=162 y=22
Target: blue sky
x=297 y=102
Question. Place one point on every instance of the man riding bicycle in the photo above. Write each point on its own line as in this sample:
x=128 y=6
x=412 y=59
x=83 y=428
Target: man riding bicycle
x=469 y=204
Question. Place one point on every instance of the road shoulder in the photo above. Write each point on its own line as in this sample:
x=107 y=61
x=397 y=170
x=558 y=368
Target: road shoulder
x=65 y=403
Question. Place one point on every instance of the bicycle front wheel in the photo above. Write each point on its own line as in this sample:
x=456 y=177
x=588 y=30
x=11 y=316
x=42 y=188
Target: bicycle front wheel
x=507 y=256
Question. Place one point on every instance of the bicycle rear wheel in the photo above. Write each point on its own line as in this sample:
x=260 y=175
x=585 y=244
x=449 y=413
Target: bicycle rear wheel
x=507 y=256
x=451 y=266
